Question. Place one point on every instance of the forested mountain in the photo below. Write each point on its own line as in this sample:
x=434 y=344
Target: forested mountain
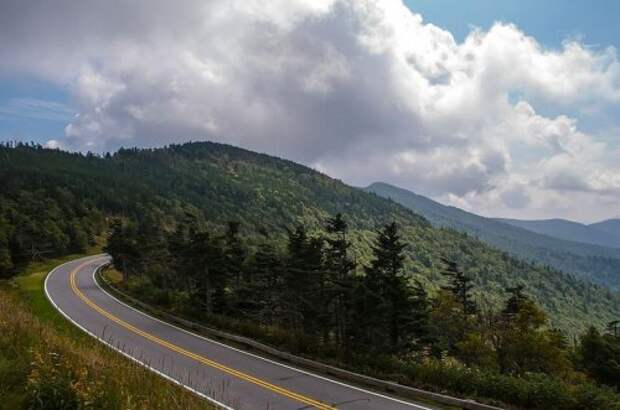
x=47 y=194
x=611 y=226
x=570 y=231
x=597 y=264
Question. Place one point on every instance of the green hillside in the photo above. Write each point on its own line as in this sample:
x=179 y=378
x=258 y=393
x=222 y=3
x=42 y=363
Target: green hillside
x=597 y=264
x=53 y=202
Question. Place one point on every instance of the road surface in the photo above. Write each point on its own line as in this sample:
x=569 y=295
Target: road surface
x=228 y=377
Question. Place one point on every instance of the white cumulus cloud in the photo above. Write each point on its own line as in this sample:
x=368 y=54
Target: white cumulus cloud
x=364 y=90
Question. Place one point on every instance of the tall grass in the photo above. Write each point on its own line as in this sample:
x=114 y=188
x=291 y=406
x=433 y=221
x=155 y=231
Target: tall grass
x=44 y=368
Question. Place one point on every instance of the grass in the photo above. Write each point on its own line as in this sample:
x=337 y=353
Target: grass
x=47 y=363
x=41 y=368
x=28 y=285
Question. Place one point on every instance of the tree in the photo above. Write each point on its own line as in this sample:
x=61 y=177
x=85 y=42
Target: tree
x=6 y=259
x=599 y=356
x=522 y=341
x=234 y=257
x=304 y=277
x=341 y=281
x=123 y=247
x=261 y=295
x=460 y=285
x=206 y=261
x=155 y=258
x=78 y=239
x=421 y=317
x=613 y=328
x=389 y=313
x=6 y=262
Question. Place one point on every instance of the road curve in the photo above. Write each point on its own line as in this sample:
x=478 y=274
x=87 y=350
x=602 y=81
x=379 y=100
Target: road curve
x=228 y=377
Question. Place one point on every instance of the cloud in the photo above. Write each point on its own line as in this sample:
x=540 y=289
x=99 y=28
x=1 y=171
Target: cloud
x=364 y=90
x=52 y=144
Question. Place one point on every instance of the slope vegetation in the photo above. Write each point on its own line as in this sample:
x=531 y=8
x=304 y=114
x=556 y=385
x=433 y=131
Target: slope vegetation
x=267 y=195
x=597 y=264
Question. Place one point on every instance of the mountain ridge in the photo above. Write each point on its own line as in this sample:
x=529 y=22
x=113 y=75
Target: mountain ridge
x=570 y=230
x=597 y=264
x=609 y=225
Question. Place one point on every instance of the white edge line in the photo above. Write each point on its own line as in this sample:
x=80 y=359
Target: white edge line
x=111 y=346
x=256 y=356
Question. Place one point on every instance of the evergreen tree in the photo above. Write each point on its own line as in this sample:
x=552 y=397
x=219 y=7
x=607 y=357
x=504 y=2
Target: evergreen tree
x=262 y=293
x=6 y=259
x=341 y=281
x=152 y=240
x=389 y=304
x=123 y=247
x=421 y=316
x=180 y=265
x=517 y=299
x=234 y=255
x=460 y=285
x=206 y=258
x=303 y=281
x=599 y=356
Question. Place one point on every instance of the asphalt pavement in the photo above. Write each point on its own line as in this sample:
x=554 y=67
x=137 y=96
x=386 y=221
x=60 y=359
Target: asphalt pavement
x=226 y=376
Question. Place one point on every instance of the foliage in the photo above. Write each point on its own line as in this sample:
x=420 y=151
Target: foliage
x=41 y=368
x=48 y=193
x=599 y=356
x=596 y=264
x=305 y=298
x=226 y=236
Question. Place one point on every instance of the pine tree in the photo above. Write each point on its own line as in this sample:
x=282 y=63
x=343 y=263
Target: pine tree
x=460 y=286
x=341 y=281
x=206 y=261
x=303 y=278
x=515 y=301
x=234 y=255
x=154 y=257
x=263 y=288
x=421 y=316
x=389 y=304
x=123 y=247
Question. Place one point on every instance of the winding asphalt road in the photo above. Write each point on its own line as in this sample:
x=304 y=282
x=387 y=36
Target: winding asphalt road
x=228 y=377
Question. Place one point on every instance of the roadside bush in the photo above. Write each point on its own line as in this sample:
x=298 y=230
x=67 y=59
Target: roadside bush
x=533 y=391
x=447 y=375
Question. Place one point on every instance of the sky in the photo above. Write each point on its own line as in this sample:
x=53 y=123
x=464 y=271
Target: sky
x=504 y=108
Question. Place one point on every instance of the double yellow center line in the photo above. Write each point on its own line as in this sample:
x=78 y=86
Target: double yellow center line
x=243 y=376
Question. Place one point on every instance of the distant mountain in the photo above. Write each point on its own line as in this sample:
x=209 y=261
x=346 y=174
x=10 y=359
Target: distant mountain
x=597 y=264
x=611 y=226
x=605 y=233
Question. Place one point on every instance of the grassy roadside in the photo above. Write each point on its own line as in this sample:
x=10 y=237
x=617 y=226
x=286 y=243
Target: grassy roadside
x=28 y=286
x=47 y=363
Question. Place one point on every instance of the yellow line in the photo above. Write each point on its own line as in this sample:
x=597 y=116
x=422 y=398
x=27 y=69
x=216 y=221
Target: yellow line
x=201 y=359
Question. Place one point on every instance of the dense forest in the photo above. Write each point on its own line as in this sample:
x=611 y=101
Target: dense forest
x=53 y=202
x=309 y=291
x=280 y=252
x=596 y=264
